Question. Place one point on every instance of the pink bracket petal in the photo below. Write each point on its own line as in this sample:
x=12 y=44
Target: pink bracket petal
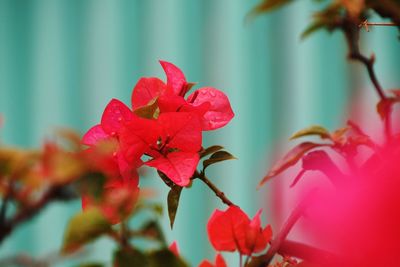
x=114 y=115
x=220 y=111
x=175 y=77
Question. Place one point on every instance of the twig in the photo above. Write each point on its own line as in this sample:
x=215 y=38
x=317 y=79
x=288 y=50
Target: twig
x=310 y=254
x=213 y=187
x=365 y=24
x=26 y=213
x=281 y=237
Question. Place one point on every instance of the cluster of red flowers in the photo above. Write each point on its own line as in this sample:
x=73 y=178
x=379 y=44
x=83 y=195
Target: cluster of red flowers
x=162 y=130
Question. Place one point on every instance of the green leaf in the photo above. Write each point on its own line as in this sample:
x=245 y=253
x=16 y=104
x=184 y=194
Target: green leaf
x=313 y=27
x=130 y=258
x=149 y=111
x=91 y=184
x=164 y=258
x=210 y=150
x=269 y=5
x=153 y=230
x=291 y=158
x=157 y=208
x=84 y=228
x=312 y=130
x=217 y=157
x=173 y=202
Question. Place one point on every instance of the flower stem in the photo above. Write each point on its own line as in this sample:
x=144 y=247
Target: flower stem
x=213 y=187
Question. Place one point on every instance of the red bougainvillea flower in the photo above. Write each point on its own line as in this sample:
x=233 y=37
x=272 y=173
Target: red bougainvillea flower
x=232 y=230
x=117 y=201
x=121 y=188
x=114 y=116
x=172 y=140
x=219 y=262
x=210 y=104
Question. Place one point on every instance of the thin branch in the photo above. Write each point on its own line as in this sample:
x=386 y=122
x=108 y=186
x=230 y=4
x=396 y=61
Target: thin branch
x=365 y=24
x=352 y=35
x=213 y=187
x=308 y=253
x=369 y=64
x=26 y=213
x=287 y=227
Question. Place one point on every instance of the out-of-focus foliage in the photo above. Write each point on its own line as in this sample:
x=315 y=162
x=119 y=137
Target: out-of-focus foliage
x=337 y=14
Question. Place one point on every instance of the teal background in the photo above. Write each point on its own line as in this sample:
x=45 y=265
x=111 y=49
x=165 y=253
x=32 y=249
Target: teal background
x=61 y=61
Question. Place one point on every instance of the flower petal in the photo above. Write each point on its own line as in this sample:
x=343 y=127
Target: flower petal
x=206 y=263
x=219 y=261
x=114 y=115
x=178 y=166
x=94 y=135
x=220 y=112
x=175 y=77
x=170 y=103
x=174 y=248
x=146 y=90
x=137 y=136
x=181 y=130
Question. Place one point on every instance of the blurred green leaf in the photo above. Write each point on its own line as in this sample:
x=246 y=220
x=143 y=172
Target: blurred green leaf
x=173 y=203
x=165 y=257
x=157 y=208
x=217 y=157
x=325 y=19
x=130 y=258
x=269 y=5
x=91 y=184
x=83 y=228
x=312 y=130
x=153 y=230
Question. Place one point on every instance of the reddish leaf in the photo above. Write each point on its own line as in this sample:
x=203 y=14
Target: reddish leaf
x=114 y=115
x=220 y=111
x=291 y=158
x=384 y=107
x=178 y=166
x=175 y=77
x=95 y=134
x=182 y=130
x=146 y=90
